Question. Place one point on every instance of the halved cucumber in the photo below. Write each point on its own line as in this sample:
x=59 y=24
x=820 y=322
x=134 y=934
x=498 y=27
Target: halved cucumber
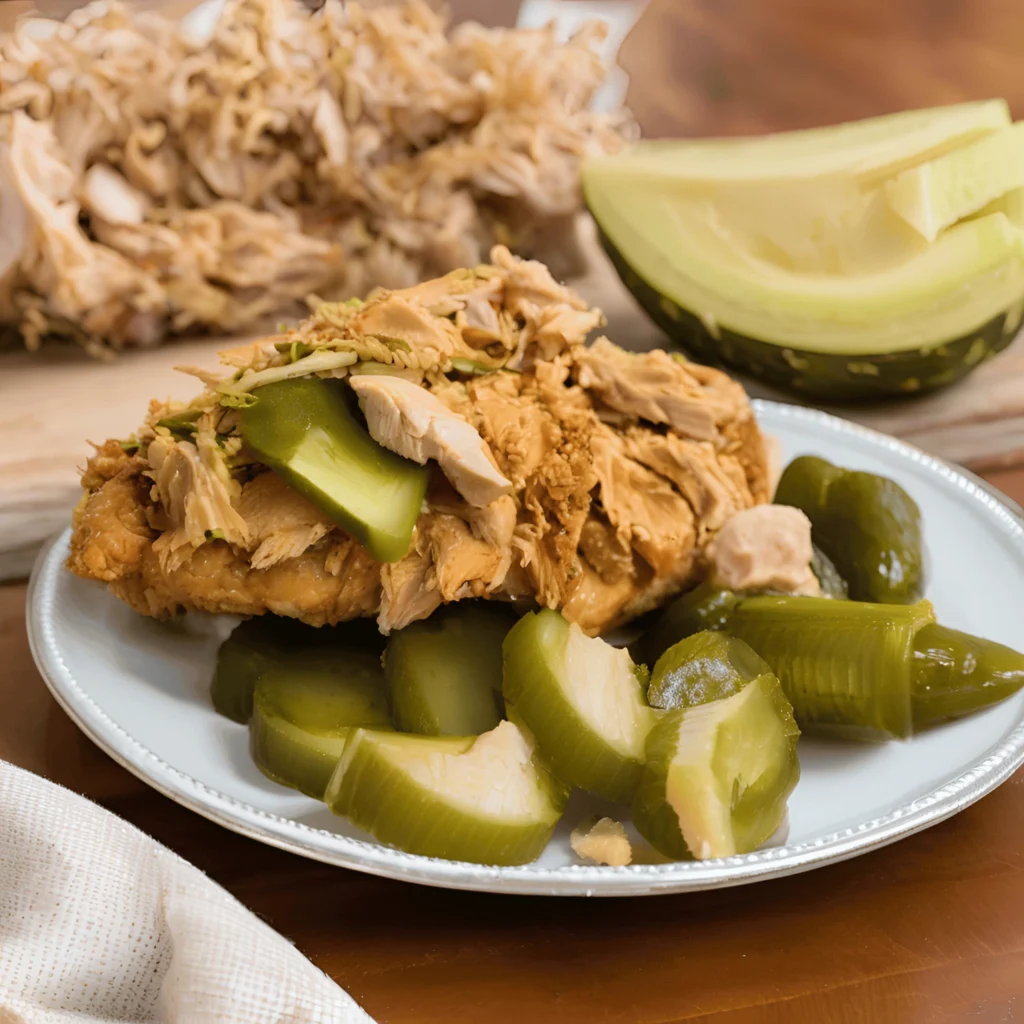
x=785 y=257
x=484 y=799
x=304 y=711
x=702 y=668
x=583 y=701
x=718 y=775
x=444 y=675
x=305 y=431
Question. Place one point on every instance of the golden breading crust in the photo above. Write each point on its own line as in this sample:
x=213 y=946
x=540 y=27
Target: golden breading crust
x=588 y=479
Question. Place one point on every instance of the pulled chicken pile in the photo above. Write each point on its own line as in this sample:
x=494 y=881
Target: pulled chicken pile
x=157 y=179
x=587 y=479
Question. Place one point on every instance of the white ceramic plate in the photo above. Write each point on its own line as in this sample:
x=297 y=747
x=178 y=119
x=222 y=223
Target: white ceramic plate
x=138 y=689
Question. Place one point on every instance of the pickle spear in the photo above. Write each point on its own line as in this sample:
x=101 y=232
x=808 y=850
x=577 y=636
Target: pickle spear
x=583 y=701
x=847 y=667
x=704 y=607
x=444 y=675
x=956 y=673
x=303 y=711
x=305 y=430
x=484 y=799
x=718 y=775
x=704 y=667
x=866 y=524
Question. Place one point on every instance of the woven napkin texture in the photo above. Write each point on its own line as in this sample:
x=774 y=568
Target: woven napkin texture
x=100 y=923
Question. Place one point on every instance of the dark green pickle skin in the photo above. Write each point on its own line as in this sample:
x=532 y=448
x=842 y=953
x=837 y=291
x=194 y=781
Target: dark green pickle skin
x=268 y=641
x=867 y=525
x=956 y=674
x=704 y=607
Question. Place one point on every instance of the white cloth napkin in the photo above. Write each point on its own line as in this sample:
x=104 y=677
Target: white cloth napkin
x=100 y=923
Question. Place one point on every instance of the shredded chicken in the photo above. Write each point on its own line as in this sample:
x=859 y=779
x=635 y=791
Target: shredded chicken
x=599 y=517
x=409 y=420
x=153 y=181
x=765 y=548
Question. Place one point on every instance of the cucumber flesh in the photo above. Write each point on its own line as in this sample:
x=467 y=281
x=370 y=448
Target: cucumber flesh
x=583 y=701
x=933 y=195
x=484 y=799
x=718 y=775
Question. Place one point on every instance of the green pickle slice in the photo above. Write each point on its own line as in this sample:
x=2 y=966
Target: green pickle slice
x=305 y=430
x=704 y=607
x=266 y=641
x=241 y=659
x=304 y=711
x=704 y=667
x=582 y=699
x=484 y=799
x=718 y=775
x=444 y=675
x=847 y=667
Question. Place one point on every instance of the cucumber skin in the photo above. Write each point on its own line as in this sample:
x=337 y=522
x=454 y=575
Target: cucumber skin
x=375 y=795
x=833 y=377
x=651 y=812
x=567 y=743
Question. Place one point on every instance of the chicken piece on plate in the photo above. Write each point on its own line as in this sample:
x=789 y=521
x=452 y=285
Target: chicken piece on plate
x=764 y=548
x=589 y=480
x=409 y=420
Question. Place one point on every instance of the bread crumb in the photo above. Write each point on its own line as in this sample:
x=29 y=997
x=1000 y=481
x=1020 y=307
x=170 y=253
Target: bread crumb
x=603 y=842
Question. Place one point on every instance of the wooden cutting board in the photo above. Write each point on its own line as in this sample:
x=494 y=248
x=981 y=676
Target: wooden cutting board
x=53 y=404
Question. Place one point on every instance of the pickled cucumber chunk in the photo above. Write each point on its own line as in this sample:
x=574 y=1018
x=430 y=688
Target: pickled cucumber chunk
x=270 y=640
x=847 y=667
x=484 y=799
x=718 y=774
x=305 y=430
x=704 y=607
x=304 y=710
x=956 y=673
x=583 y=701
x=444 y=675
x=241 y=659
x=704 y=667
x=866 y=524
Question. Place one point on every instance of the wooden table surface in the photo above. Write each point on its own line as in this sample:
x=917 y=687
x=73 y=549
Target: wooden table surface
x=931 y=929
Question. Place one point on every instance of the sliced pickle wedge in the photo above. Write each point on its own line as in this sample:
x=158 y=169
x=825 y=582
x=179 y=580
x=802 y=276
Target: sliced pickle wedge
x=266 y=641
x=583 y=701
x=704 y=667
x=484 y=799
x=303 y=712
x=718 y=775
x=444 y=675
